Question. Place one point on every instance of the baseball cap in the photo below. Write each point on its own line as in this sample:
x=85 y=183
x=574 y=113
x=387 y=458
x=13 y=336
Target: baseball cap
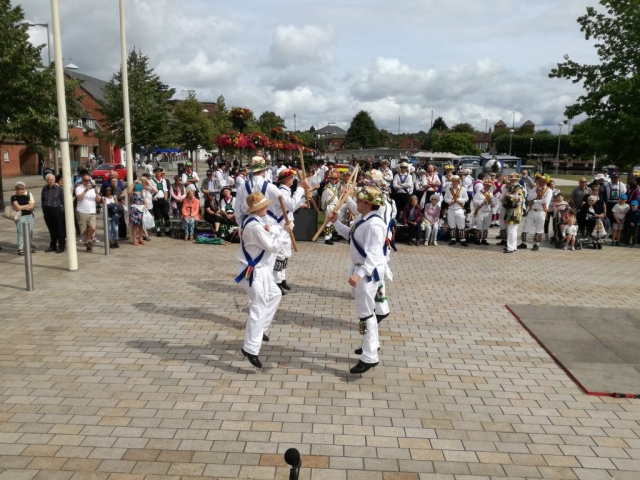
x=634 y=203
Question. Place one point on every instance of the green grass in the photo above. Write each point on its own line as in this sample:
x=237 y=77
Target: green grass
x=623 y=178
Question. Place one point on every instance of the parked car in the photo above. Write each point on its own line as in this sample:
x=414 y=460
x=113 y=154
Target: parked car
x=101 y=173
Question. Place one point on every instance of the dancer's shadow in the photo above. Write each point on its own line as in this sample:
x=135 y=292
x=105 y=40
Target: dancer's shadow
x=224 y=353
x=191 y=313
x=306 y=320
x=235 y=289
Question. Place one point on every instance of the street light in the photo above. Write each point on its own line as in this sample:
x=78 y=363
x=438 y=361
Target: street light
x=560 y=125
x=530 y=147
x=510 y=140
x=63 y=132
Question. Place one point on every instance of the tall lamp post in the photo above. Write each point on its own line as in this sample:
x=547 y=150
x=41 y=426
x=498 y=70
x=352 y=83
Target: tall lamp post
x=510 y=140
x=125 y=101
x=530 y=148
x=63 y=131
x=558 y=154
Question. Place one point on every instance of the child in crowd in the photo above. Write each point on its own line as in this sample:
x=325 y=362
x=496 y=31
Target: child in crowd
x=619 y=211
x=569 y=233
x=633 y=220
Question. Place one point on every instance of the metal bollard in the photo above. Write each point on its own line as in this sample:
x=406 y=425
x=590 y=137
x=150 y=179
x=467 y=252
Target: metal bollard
x=28 y=261
x=105 y=221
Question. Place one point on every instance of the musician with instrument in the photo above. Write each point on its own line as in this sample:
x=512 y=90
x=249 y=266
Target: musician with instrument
x=482 y=210
x=456 y=197
x=512 y=202
x=538 y=200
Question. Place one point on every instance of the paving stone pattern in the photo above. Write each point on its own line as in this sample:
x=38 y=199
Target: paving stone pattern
x=130 y=369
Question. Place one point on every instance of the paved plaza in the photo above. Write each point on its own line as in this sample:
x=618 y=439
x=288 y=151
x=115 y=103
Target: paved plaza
x=130 y=368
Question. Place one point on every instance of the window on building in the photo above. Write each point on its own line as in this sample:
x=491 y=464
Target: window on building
x=79 y=123
x=84 y=151
x=6 y=156
x=89 y=123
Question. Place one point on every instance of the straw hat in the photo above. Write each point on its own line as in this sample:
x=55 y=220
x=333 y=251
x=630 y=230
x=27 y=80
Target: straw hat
x=372 y=195
x=514 y=176
x=286 y=173
x=334 y=175
x=448 y=167
x=404 y=165
x=487 y=181
x=545 y=177
x=258 y=164
x=455 y=178
x=256 y=201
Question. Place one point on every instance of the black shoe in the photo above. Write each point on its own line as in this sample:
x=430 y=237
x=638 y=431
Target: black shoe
x=522 y=246
x=60 y=250
x=253 y=359
x=452 y=242
x=282 y=290
x=509 y=251
x=358 y=351
x=535 y=248
x=265 y=337
x=464 y=244
x=498 y=237
x=501 y=243
x=362 y=367
x=159 y=234
x=285 y=285
x=599 y=246
x=116 y=245
x=478 y=242
x=484 y=242
x=50 y=249
x=328 y=242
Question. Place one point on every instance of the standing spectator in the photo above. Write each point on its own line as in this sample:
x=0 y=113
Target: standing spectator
x=618 y=216
x=52 y=202
x=23 y=202
x=190 y=214
x=136 y=212
x=112 y=204
x=579 y=193
x=87 y=196
x=40 y=166
x=633 y=220
x=148 y=168
x=178 y=194
x=190 y=179
x=633 y=192
x=113 y=175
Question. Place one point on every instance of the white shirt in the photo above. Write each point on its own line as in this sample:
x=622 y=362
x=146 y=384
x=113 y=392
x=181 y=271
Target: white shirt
x=194 y=176
x=224 y=203
x=371 y=236
x=387 y=174
x=461 y=198
x=429 y=178
x=620 y=187
x=545 y=201
x=403 y=183
x=330 y=196
x=291 y=202
x=467 y=182
x=272 y=193
x=148 y=168
x=256 y=239
x=88 y=203
x=160 y=183
x=480 y=201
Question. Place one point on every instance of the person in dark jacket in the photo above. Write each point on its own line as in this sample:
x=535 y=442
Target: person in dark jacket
x=412 y=219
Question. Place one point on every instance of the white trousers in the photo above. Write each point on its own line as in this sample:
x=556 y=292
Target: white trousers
x=502 y=224
x=283 y=253
x=535 y=221
x=264 y=298
x=482 y=221
x=365 y=300
x=512 y=237
x=455 y=218
x=431 y=230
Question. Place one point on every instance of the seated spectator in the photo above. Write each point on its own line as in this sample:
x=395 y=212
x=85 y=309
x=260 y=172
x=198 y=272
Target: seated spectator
x=190 y=214
x=212 y=212
x=431 y=219
x=592 y=211
x=227 y=208
x=569 y=233
x=178 y=194
x=412 y=219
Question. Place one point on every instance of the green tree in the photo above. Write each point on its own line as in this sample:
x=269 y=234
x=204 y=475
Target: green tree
x=612 y=86
x=463 y=128
x=28 y=99
x=439 y=124
x=312 y=129
x=220 y=118
x=584 y=139
x=457 y=143
x=363 y=132
x=149 y=105
x=269 y=120
x=305 y=138
x=191 y=126
x=387 y=139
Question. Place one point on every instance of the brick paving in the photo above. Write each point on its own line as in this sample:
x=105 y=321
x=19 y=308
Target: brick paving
x=130 y=369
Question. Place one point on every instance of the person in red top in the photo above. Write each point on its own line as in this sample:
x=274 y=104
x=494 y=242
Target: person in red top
x=412 y=219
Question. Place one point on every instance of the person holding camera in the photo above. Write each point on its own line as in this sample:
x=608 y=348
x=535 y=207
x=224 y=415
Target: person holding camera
x=87 y=197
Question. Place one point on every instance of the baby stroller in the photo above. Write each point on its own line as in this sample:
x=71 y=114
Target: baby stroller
x=559 y=221
x=596 y=238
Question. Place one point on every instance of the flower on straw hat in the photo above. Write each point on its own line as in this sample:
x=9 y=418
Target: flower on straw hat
x=256 y=201
x=449 y=167
x=372 y=195
x=286 y=173
x=334 y=175
x=545 y=177
x=258 y=164
x=487 y=181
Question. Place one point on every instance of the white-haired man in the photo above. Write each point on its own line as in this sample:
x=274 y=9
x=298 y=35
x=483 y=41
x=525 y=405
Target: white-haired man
x=456 y=197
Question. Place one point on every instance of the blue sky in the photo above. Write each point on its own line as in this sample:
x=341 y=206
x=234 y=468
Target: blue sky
x=468 y=60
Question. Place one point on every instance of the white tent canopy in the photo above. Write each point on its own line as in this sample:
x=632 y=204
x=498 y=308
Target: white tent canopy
x=443 y=155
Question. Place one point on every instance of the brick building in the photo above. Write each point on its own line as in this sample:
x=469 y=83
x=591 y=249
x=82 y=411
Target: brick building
x=16 y=160
x=410 y=143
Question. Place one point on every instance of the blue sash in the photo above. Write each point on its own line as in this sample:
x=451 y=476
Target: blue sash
x=247 y=273
x=388 y=242
x=273 y=215
x=263 y=189
x=359 y=248
x=402 y=180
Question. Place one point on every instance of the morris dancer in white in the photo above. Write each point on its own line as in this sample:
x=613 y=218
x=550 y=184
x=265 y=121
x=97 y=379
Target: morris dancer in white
x=456 y=197
x=367 y=238
x=259 y=244
x=483 y=211
x=538 y=200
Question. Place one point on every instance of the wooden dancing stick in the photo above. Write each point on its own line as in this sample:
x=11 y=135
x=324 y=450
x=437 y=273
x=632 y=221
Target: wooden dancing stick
x=343 y=199
x=288 y=222
x=304 y=177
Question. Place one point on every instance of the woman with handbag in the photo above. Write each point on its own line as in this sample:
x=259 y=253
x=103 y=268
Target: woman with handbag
x=24 y=203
